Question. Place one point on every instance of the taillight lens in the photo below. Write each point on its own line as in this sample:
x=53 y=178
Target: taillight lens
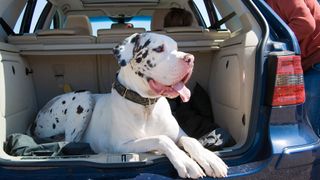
x=288 y=84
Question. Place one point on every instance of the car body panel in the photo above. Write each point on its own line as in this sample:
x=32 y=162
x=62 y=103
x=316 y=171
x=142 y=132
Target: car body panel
x=284 y=146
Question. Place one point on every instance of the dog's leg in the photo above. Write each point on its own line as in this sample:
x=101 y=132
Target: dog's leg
x=186 y=167
x=210 y=162
x=78 y=114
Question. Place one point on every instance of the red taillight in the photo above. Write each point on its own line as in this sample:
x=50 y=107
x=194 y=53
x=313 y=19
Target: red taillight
x=289 y=85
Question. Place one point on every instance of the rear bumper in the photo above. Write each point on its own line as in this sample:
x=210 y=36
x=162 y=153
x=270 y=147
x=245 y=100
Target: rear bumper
x=265 y=169
x=295 y=149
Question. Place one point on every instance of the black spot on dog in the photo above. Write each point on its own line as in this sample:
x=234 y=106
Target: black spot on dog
x=134 y=39
x=146 y=43
x=139 y=53
x=63 y=102
x=88 y=110
x=137 y=49
x=147 y=67
x=79 y=109
x=73 y=98
x=123 y=62
x=138 y=60
x=145 y=54
x=150 y=64
x=65 y=111
x=140 y=74
x=116 y=51
x=40 y=126
x=53 y=126
x=118 y=57
x=57 y=120
x=74 y=130
x=50 y=110
x=80 y=91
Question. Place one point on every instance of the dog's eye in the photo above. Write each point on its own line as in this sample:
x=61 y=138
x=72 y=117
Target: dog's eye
x=159 y=49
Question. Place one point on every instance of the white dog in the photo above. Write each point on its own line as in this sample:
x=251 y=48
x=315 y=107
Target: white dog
x=135 y=117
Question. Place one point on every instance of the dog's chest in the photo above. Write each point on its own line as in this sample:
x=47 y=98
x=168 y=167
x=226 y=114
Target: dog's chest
x=124 y=118
x=139 y=123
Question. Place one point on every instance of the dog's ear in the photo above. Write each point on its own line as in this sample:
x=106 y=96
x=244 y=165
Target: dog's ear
x=124 y=51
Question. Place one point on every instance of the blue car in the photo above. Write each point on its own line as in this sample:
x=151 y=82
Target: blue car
x=247 y=63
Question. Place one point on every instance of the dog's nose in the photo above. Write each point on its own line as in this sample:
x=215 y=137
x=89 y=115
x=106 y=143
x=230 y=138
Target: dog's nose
x=189 y=58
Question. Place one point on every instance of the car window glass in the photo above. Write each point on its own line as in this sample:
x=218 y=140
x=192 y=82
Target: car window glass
x=204 y=13
x=55 y=24
x=141 y=22
x=37 y=11
x=104 y=22
x=100 y=22
x=17 y=26
x=223 y=9
x=202 y=9
x=51 y=25
x=223 y=26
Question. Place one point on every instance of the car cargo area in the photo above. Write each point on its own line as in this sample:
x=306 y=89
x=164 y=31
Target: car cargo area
x=36 y=67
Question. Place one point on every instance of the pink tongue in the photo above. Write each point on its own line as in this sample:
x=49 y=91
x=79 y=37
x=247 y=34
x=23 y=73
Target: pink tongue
x=183 y=91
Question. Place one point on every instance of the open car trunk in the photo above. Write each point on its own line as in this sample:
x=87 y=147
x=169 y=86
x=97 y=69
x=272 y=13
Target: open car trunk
x=226 y=74
x=33 y=73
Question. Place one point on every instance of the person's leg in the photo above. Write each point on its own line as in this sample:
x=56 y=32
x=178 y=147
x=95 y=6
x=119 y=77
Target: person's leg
x=312 y=104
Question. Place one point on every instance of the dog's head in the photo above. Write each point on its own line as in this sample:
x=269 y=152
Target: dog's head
x=152 y=66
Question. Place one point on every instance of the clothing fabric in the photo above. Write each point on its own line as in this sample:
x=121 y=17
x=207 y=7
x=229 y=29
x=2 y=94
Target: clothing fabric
x=23 y=145
x=312 y=104
x=217 y=140
x=196 y=119
x=303 y=17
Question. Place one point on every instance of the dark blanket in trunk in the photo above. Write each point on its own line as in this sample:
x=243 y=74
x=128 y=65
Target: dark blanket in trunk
x=196 y=119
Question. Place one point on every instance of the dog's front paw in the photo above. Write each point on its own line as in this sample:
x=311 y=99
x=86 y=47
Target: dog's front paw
x=186 y=167
x=212 y=164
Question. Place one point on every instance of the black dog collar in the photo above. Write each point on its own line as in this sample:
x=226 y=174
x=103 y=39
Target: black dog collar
x=132 y=95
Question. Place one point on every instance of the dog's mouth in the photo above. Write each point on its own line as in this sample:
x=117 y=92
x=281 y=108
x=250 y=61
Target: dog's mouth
x=177 y=88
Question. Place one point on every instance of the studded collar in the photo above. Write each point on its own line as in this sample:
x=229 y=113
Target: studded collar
x=132 y=95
